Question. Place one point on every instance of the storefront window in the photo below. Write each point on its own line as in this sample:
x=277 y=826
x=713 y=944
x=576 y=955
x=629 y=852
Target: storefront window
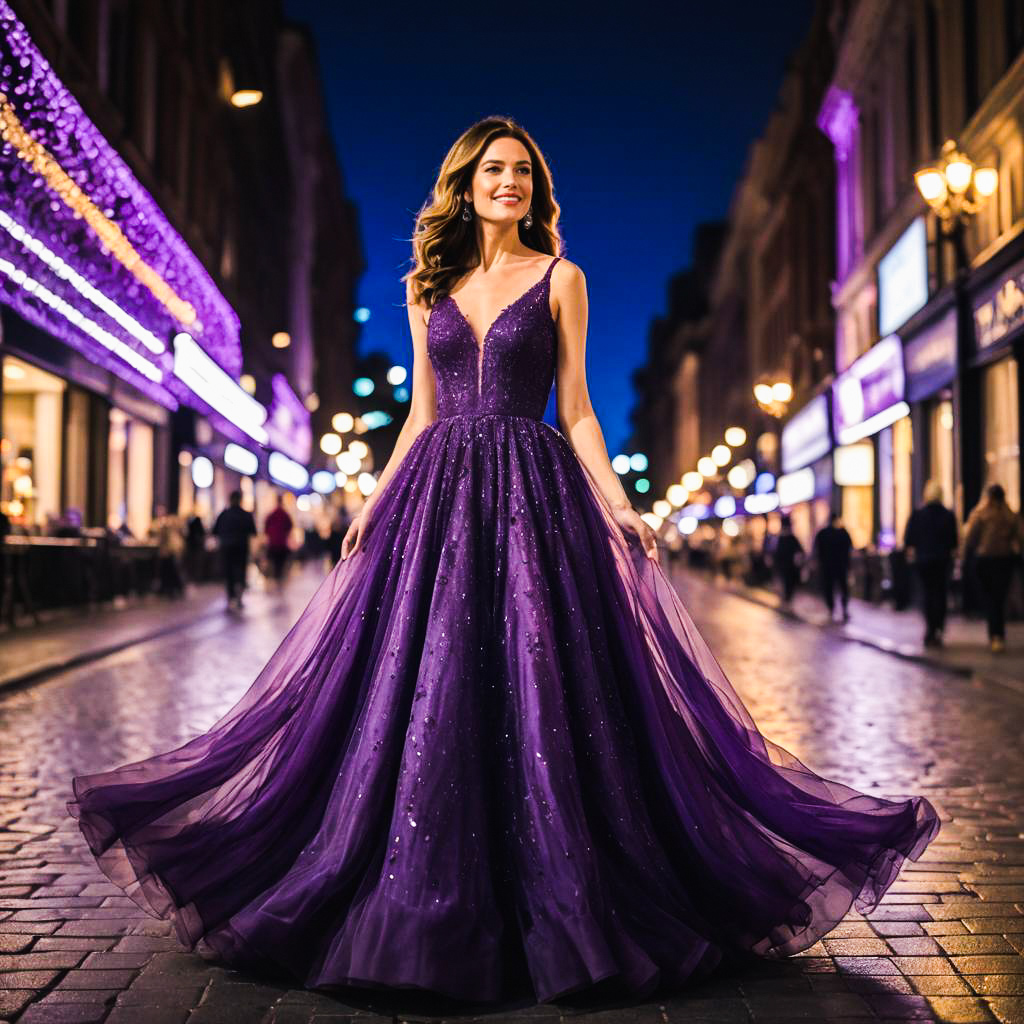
x=941 y=454
x=854 y=468
x=30 y=444
x=1002 y=435
x=858 y=514
x=902 y=478
x=129 y=474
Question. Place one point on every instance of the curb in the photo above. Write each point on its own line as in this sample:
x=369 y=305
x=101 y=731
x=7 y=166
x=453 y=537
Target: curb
x=878 y=644
x=41 y=670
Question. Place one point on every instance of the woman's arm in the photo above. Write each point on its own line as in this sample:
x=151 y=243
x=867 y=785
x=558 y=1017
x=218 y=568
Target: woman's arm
x=575 y=413
x=422 y=404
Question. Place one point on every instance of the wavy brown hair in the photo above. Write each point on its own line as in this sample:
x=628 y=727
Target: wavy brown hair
x=444 y=245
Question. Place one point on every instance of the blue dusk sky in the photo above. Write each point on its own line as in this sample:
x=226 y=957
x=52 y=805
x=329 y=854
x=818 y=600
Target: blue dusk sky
x=644 y=111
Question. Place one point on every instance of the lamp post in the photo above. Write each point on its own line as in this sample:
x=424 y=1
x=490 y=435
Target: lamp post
x=773 y=397
x=955 y=189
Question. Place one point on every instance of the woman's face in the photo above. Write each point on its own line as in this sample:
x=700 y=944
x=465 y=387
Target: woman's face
x=502 y=184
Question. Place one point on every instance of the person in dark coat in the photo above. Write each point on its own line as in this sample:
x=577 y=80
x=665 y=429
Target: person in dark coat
x=931 y=538
x=233 y=528
x=787 y=555
x=195 y=547
x=832 y=547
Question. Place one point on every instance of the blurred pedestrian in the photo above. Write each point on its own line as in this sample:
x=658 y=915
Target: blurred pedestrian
x=233 y=528
x=832 y=547
x=995 y=537
x=278 y=528
x=787 y=555
x=931 y=539
x=195 y=547
x=166 y=531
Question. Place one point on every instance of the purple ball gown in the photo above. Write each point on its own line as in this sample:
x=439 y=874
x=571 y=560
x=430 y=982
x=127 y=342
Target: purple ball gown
x=493 y=758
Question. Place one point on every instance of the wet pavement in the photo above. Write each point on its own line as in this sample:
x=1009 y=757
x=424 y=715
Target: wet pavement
x=946 y=945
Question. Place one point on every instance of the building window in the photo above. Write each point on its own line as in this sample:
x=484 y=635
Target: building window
x=940 y=448
x=30 y=444
x=1001 y=432
x=129 y=474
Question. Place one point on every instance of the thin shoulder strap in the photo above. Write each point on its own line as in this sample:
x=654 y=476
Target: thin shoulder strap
x=551 y=265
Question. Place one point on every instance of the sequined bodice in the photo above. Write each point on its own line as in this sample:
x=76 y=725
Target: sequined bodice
x=511 y=372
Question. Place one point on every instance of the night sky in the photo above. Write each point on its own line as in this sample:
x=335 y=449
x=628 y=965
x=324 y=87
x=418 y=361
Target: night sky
x=645 y=115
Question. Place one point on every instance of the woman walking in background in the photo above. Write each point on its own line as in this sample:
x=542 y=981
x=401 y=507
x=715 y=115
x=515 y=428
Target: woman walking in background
x=995 y=537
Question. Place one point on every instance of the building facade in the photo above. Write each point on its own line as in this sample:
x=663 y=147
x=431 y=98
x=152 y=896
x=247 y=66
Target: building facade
x=180 y=260
x=928 y=335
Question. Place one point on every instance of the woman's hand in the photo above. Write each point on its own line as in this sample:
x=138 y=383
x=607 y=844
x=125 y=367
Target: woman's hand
x=355 y=533
x=629 y=518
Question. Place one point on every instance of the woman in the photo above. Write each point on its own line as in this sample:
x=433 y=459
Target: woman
x=995 y=537
x=494 y=759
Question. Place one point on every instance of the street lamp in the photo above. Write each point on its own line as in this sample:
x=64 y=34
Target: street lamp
x=956 y=189
x=774 y=396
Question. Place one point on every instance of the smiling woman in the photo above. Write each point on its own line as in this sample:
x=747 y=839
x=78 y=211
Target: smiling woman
x=494 y=759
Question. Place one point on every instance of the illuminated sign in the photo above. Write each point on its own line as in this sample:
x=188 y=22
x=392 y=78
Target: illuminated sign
x=903 y=279
x=869 y=395
x=241 y=460
x=930 y=358
x=854 y=465
x=794 y=488
x=288 y=422
x=806 y=436
x=286 y=471
x=222 y=394
x=1001 y=311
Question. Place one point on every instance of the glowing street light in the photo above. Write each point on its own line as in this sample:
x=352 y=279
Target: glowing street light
x=721 y=455
x=330 y=444
x=735 y=436
x=677 y=495
x=955 y=186
x=246 y=97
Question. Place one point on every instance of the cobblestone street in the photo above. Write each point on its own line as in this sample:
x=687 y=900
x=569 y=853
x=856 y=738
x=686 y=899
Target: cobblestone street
x=946 y=945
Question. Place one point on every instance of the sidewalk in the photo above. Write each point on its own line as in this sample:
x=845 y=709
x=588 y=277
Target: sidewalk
x=900 y=633
x=78 y=636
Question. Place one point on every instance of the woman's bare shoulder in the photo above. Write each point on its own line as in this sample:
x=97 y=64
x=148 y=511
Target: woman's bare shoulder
x=567 y=277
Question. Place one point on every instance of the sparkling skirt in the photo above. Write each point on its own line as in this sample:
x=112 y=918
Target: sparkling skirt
x=493 y=759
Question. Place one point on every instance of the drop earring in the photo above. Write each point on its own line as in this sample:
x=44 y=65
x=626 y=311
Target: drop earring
x=467 y=213
x=528 y=219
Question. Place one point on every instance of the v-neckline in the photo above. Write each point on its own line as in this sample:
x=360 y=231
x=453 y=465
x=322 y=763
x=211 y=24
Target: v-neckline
x=494 y=323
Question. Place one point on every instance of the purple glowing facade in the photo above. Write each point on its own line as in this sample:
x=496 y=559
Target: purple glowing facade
x=56 y=272
x=288 y=422
x=838 y=119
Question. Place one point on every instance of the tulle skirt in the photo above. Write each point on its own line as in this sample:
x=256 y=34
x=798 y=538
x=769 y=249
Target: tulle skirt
x=493 y=759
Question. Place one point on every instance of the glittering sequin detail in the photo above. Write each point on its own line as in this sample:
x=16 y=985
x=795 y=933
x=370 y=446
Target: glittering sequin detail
x=510 y=371
x=493 y=758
